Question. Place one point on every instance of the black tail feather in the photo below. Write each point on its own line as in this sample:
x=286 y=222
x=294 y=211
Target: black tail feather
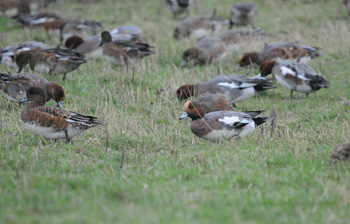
x=260 y=120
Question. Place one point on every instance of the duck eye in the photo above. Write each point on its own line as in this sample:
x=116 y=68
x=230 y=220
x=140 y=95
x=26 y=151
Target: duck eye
x=190 y=107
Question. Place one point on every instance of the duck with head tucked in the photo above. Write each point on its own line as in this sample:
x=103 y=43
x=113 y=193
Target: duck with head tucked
x=52 y=122
x=242 y=14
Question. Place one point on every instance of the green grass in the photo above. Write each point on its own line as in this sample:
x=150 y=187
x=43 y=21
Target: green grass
x=144 y=166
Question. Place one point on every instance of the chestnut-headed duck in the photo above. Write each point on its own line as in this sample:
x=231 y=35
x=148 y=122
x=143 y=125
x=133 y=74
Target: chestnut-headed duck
x=280 y=52
x=210 y=102
x=294 y=76
x=198 y=27
x=243 y=14
x=123 y=52
x=84 y=29
x=54 y=61
x=15 y=87
x=53 y=122
x=179 y=6
x=341 y=153
x=235 y=38
x=207 y=50
x=8 y=54
x=234 y=88
x=221 y=125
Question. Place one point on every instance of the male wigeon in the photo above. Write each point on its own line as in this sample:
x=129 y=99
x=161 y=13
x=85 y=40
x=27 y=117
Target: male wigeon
x=123 y=52
x=221 y=125
x=210 y=102
x=47 y=20
x=243 y=14
x=84 y=29
x=341 y=153
x=207 y=50
x=346 y=4
x=294 y=76
x=198 y=27
x=54 y=61
x=53 y=122
x=235 y=38
x=15 y=87
x=234 y=88
x=7 y=54
x=179 y=6
x=280 y=51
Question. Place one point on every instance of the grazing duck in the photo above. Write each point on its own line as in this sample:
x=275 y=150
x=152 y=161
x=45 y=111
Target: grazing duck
x=15 y=86
x=123 y=52
x=207 y=50
x=52 y=122
x=346 y=4
x=220 y=125
x=198 y=27
x=179 y=6
x=84 y=29
x=54 y=61
x=242 y=14
x=294 y=76
x=234 y=88
x=235 y=38
x=341 y=153
x=280 y=51
x=8 y=54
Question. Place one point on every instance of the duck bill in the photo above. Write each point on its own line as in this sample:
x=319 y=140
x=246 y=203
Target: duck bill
x=19 y=69
x=23 y=101
x=184 y=115
x=100 y=44
x=60 y=104
x=183 y=63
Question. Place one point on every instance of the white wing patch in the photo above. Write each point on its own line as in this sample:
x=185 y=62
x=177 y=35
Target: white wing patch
x=233 y=85
x=286 y=70
x=229 y=120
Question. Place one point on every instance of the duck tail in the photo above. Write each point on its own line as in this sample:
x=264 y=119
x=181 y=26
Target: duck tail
x=260 y=120
x=253 y=113
x=264 y=86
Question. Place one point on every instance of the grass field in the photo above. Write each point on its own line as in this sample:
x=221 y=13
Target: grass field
x=144 y=166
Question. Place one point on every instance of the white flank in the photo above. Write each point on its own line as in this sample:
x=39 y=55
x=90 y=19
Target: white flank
x=200 y=33
x=42 y=68
x=50 y=132
x=245 y=94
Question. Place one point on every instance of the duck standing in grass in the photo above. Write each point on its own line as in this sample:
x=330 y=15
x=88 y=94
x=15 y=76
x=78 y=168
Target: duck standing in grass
x=15 y=86
x=234 y=88
x=179 y=6
x=295 y=76
x=280 y=52
x=243 y=14
x=52 y=122
x=123 y=52
x=220 y=125
x=54 y=61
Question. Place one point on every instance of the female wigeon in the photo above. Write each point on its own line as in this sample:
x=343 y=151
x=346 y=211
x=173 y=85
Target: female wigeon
x=294 y=76
x=198 y=27
x=210 y=102
x=220 y=125
x=54 y=61
x=123 y=52
x=53 y=122
x=207 y=50
x=179 y=6
x=15 y=87
x=234 y=88
x=346 y=4
x=84 y=29
x=280 y=51
x=235 y=38
x=341 y=153
x=8 y=54
x=243 y=14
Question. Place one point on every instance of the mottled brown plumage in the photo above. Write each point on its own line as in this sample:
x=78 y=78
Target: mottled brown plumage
x=341 y=153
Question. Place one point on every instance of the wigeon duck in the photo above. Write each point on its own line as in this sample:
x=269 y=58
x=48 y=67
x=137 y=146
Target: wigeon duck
x=179 y=6
x=243 y=14
x=15 y=87
x=235 y=38
x=53 y=122
x=84 y=29
x=123 y=52
x=234 y=88
x=280 y=51
x=346 y=4
x=54 y=61
x=210 y=102
x=341 y=153
x=47 y=20
x=220 y=125
x=207 y=50
x=198 y=27
x=294 y=76
x=7 y=54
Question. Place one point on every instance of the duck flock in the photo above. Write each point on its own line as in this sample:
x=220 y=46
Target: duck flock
x=214 y=112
